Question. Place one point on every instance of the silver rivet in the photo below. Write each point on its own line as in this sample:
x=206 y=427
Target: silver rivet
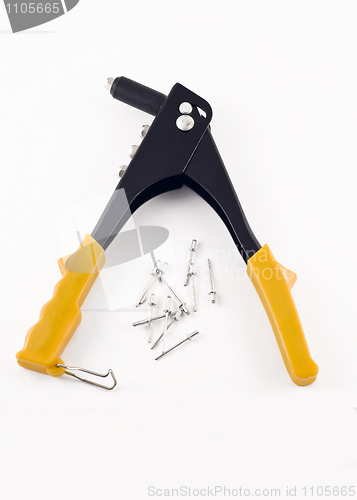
x=167 y=312
x=122 y=169
x=152 y=304
x=144 y=130
x=185 y=122
x=212 y=293
x=157 y=271
x=192 y=275
x=192 y=251
x=189 y=337
x=185 y=108
x=133 y=150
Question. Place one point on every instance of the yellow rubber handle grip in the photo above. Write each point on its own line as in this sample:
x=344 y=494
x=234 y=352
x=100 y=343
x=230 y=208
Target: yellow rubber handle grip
x=60 y=317
x=273 y=282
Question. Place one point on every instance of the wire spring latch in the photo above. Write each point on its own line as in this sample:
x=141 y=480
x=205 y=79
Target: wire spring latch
x=69 y=371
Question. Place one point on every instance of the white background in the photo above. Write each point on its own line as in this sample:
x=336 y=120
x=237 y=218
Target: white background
x=281 y=78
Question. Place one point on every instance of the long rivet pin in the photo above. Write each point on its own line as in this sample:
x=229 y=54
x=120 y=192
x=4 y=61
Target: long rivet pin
x=167 y=311
x=146 y=321
x=212 y=293
x=175 y=318
x=152 y=304
x=189 y=337
x=192 y=276
x=192 y=251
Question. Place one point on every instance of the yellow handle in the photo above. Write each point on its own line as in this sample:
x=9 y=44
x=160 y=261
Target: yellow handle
x=60 y=317
x=273 y=282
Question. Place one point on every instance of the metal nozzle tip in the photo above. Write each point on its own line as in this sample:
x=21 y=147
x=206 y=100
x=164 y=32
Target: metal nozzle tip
x=109 y=83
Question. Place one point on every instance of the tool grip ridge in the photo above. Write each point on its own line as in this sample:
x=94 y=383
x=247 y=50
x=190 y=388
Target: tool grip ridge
x=61 y=315
x=273 y=282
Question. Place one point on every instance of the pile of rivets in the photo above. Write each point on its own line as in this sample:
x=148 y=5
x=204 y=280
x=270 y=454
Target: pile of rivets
x=155 y=276
x=170 y=317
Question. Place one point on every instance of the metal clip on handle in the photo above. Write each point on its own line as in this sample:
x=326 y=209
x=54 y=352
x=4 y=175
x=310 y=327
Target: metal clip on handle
x=70 y=369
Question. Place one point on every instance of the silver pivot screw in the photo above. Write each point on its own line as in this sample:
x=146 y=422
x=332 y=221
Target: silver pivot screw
x=185 y=108
x=185 y=123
